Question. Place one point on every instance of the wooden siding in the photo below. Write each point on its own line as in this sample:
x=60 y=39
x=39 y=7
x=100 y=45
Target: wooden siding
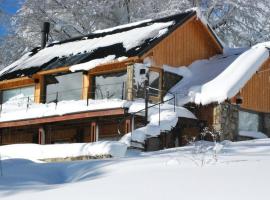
x=190 y=42
x=256 y=93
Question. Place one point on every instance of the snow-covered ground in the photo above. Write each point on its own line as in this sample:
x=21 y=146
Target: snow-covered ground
x=239 y=170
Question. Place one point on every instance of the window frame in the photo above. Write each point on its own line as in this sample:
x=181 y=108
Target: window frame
x=93 y=82
x=18 y=87
x=63 y=74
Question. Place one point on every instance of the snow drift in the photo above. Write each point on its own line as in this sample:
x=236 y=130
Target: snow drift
x=38 y=152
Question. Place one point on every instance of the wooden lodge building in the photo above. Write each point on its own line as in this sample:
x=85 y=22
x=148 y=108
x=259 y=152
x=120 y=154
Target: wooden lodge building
x=101 y=66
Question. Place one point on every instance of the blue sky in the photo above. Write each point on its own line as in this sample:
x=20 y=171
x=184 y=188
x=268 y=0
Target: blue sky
x=10 y=6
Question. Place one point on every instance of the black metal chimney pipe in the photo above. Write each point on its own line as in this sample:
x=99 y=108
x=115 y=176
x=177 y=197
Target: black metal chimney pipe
x=45 y=29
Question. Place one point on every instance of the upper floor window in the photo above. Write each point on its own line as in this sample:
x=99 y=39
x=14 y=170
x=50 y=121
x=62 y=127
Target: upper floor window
x=63 y=87
x=170 y=80
x=18 y=94
x=109 y=86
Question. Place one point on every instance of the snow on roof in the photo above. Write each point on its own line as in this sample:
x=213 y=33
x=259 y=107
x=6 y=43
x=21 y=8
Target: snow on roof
x=122 y=41
x=221 y=77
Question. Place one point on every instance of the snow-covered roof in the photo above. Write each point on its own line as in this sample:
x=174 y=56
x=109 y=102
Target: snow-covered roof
x=84 y=53
x=219 y=78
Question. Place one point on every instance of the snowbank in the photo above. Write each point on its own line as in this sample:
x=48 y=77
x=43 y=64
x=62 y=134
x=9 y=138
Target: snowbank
x=253 y=134
x=220 y=77
x=37 y=152
x=240 y=170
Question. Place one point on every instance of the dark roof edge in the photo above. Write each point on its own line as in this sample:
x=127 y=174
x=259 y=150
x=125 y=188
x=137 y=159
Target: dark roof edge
x=215 y=36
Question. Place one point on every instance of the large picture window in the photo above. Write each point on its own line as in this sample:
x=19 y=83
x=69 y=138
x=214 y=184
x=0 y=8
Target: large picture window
x=63 y=87
x=248 y=121
x=18 y=94
x=110 y=86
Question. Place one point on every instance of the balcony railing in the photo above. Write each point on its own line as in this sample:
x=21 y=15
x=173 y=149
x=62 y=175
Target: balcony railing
x=118 y=91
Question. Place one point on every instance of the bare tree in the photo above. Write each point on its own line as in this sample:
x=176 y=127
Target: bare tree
x=237 y=22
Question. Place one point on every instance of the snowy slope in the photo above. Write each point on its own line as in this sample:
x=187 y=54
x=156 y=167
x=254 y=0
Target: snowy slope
x=239 y=171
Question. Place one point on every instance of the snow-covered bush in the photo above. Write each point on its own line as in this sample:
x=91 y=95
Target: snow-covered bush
x=206 y=147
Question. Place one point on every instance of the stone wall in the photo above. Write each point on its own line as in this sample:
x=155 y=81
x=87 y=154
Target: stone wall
x=226 y=120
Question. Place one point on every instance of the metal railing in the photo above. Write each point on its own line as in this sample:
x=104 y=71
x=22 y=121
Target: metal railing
x=133 y=114
x=118 y=92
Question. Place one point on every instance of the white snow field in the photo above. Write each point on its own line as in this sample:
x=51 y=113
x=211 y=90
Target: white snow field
x=238 y=170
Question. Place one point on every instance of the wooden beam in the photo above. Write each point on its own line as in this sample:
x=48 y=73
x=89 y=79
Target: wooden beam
x=54 y=71
x=114 y=66
x=74 y=116
x=16 y=83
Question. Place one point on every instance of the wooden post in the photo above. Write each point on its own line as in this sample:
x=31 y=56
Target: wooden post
x=86 y=86
x=161 y=86
x=41 y=136
x=128 y=125
x=93 y=132
x=40 y=90
x=129 y=86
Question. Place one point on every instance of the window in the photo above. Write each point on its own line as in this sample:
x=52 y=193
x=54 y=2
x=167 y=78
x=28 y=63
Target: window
x=248 y=121
x=18 y=93
x=63 y=87
x=170 y=80
x=154 y=78
x=110 y=86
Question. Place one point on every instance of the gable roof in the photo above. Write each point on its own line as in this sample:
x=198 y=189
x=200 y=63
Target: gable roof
x=82 y=53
